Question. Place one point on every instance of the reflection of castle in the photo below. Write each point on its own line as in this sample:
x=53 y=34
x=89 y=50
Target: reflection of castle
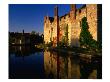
x=69 y=25
x=60 y=67
x=57 y=66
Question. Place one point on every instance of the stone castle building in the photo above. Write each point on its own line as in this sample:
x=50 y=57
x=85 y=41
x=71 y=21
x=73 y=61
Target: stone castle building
x=68 y=27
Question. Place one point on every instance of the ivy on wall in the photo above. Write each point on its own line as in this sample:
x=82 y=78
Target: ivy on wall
x=86 y=39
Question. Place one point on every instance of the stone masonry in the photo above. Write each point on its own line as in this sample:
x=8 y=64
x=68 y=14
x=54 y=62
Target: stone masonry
x=55 y=27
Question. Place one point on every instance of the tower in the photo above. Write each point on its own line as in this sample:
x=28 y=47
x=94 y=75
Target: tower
x=56 y=11
x=73 y=7
x=73 y=11
x=56 y=27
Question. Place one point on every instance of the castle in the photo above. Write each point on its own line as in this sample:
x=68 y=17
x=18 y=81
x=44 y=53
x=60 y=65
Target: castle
x=69 y=25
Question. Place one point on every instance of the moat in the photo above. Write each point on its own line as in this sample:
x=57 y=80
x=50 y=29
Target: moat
x=27 y=62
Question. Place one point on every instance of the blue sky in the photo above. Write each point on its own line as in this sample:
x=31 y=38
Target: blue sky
x=31 y=16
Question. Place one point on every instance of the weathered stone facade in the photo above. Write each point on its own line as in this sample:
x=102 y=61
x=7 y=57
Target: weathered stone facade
x=55 y=28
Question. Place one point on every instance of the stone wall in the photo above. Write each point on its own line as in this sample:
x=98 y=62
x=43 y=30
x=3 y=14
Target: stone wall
x=75 y=34
x=65 y=22
x=73 y=20
x=47 y=29
x=92 y=19
x=76 y=27
x=54 y=33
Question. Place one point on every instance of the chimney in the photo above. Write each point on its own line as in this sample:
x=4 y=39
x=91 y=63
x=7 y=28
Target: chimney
x=23 y=31
x=56 y=11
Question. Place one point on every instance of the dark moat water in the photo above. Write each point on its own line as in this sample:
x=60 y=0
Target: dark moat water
x=30 y=63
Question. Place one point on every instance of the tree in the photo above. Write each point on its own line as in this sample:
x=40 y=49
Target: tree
x=33 y=32
x=86 y=39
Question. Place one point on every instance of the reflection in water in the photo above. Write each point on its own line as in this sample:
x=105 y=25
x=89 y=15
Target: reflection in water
x=23 y=50
x=57 y=66
x=63 y=66
x=28 y=62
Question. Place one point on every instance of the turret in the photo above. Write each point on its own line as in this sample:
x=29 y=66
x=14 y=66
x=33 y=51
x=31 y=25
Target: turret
x=73 y=11
x=56 y=11
x=45 y=18
x=56 y=21
x=73 y=7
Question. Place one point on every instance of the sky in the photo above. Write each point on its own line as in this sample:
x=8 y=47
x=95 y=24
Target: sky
x=30 y=17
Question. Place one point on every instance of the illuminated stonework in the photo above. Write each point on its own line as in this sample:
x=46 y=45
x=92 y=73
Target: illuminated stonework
x=54 y=27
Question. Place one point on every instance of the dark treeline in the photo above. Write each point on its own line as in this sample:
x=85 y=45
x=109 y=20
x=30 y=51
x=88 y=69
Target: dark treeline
x=32 y=38
x=36 y=39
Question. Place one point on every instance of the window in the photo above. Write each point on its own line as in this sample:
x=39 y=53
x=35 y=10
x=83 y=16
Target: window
x=80 y=24
x=68 y=15
x=52 y=29
x=64 y=17
x=79 y=11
